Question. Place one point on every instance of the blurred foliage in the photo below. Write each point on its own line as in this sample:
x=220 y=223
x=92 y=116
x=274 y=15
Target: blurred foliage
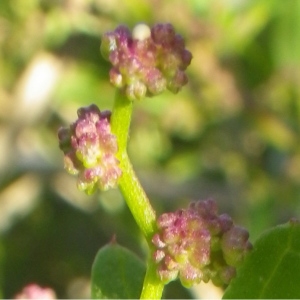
x=231 y=134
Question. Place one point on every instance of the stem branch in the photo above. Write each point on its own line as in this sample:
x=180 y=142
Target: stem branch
x=129 y=184
x=153 y=287
x=133 y=192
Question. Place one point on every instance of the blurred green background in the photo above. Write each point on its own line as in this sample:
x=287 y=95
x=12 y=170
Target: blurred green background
x=231 y=134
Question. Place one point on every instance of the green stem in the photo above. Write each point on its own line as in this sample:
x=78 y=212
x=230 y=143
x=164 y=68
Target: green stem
x=153 y=287
x=129 y=184
x=133 y=192
x=136 y=199
x=120 y=121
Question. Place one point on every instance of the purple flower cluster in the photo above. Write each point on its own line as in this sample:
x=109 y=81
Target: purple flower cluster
x=34 y=291
x=90 y=149
x=198 y=244
x=146 y=61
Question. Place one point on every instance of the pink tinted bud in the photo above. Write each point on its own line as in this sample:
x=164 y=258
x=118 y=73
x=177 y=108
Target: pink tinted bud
x=157 y=241
x=235 y=245
x=136 y=90
x=167 y=275
x=199 y=244
x=116 y=78
x=90 y=149
x=225 y=222
x=146 y=61
x=207 y=209
x=185 y=242
x=158 y=256
x=163 y=34
x=34 y=291
x=179 y=79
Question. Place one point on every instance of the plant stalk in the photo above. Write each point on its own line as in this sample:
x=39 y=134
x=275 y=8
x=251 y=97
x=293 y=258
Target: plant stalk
x=129 y=184
x=133 y=192
x=153 y=287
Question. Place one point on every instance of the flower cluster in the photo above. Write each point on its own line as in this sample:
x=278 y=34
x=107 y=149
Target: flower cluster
x=198 y=244
x=90 y=149
x=146 y=61
x=34 y=291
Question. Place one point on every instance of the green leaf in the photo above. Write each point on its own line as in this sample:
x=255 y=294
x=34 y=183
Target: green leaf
x=272 y=270
x=117 y=273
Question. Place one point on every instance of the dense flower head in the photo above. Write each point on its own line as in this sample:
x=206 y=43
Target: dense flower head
x=146 y=61
x=90 y=149
x=197 y=244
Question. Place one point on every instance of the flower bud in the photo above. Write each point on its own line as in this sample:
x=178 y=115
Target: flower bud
x=198 y=244
x=90 y=149
x=146 y=61
x=234 y=245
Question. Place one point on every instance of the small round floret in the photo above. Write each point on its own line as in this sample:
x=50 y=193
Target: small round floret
x=198 y=244
x=90 y=150
x=147 y=61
